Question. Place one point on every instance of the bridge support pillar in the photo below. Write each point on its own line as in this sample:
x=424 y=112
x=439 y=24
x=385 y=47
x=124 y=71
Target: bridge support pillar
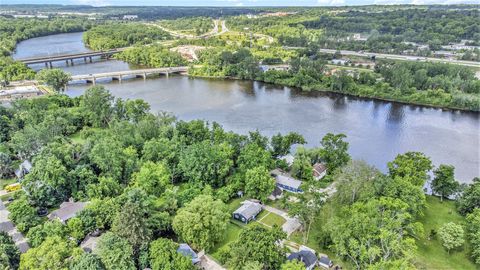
x=71 y=62
x=46 y=64
x=90 y=59
x=50 y=64
x=117 y=78
x=85 y=59
x=167 y=74
x=66 y=61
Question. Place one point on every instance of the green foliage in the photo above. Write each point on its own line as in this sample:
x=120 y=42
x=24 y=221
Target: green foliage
x=281 y=144
x=152 y=56
x=164 y=256
x=53 y=253
x=302 y=165
x=131 y=224
x=293 y=265
x=473 y=234
x=451 y=235
x=195 y=25
x=412 y=165
x=470 y=198
x=55 y=78
x=258 y=183
x=96 y=102
x=115 y=252
x=110 y=36
x=202 y=222
x=365 y=237
x=154 y=178
x=23 y=214
x=257 y=244
x=206 y=163
x=87 y=261
x=444 y=182
x=39 y=233
x=334 y=151
x=253 y=155
x=9 y=253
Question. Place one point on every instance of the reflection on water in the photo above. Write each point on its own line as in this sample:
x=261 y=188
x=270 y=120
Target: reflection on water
x=377 y=131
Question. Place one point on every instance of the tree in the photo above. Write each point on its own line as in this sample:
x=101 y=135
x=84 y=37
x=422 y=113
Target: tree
x=470 y=198
x=115 y=252
x=451 y=235
x=302 y=166
x=131 y=224
x=39 y=233
x=154 y=178
x=55 y=78
x=373 y=231
x=281 y=144
x=257 y=244
x=413 y=165
x=23 y=214
x=293 y=265
x=473 y=234
x=334 y=151
x=53 y=253
x=202 y=222
x=96 y=103
x=87 y=261
x=207 y=163
x=9 y=253
x=444 y=182
x=76 y=229
x=163 y=255
x=253 y=155
x=258 y=183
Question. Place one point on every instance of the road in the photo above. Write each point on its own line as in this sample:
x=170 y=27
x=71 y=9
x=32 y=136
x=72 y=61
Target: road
x=399 y=57
x=7 y=226
x=211 y=33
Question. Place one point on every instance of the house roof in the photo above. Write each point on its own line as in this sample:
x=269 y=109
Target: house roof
x=248 y=209
x=325 y=260
x=288 y=159
x=288 y=181
x=307 y=257
x=318 y=169
x=187 y=251
x=277 y=191
x=67 y=210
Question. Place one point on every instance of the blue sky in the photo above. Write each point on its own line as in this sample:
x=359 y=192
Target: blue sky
x=233 y=2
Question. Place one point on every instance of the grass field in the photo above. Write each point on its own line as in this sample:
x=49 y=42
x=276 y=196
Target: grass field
x=271 y=219
x=431 y=254
x=233 y=230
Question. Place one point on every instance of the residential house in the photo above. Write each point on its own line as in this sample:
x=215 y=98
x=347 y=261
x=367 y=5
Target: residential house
x=67 y=211
x=24 y=168
x=288 y=183
x=341 y=62
x=288 y=159
x=319 y=170
x=276 y=194
x=187 y=251
x=130 y=17
x=325 y=262
x=307 y=257
x=247 y=212
x=89 y=244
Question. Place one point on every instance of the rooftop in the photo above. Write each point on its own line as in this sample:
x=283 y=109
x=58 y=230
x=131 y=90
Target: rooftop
x=67 y=210
x=187 y=251
x=248 y=209
x=307 y=257
x=288 y=181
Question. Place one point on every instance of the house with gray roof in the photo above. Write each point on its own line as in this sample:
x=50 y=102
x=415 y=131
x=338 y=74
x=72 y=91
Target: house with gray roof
x=247 y=212
x=187 y=251
x=308 y=258
x=288 y=183
x=67 y=211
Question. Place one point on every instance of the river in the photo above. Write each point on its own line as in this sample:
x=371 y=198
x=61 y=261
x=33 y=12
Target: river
x=376 y=130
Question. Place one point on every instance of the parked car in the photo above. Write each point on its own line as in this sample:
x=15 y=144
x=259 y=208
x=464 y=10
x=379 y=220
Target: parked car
x=42 y=212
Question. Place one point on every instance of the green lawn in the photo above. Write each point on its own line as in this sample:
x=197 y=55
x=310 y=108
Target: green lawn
x=271 y=219
x=431 y=254
x=233 y=230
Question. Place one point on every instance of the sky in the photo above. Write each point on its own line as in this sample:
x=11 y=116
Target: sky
x=234 y=2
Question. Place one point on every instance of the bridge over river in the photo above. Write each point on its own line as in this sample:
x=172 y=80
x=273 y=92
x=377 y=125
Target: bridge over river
x=139 y=73
x=48 y=60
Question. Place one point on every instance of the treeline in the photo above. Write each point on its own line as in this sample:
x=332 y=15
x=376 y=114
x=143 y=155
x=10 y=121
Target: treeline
x=119 y=35
x=195 y=26
x=436 y=84
x=152 y=56
x=13 y=31
x=423 y=25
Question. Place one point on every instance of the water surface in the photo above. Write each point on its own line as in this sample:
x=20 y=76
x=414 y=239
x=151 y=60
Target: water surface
x=377 y=131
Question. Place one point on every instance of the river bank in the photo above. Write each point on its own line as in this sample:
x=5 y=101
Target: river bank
x=376 y=130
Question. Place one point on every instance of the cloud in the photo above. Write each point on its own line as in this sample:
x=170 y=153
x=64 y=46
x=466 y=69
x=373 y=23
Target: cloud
x=331 y=2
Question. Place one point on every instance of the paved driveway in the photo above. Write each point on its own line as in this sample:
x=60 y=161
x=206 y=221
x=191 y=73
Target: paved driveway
x=291 y=224
x=7 y=226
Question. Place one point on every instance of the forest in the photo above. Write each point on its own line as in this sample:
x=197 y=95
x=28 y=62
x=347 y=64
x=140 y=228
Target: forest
x=151 y=181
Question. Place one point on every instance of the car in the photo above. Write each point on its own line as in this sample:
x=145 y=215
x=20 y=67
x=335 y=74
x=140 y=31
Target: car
x=42 y=212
